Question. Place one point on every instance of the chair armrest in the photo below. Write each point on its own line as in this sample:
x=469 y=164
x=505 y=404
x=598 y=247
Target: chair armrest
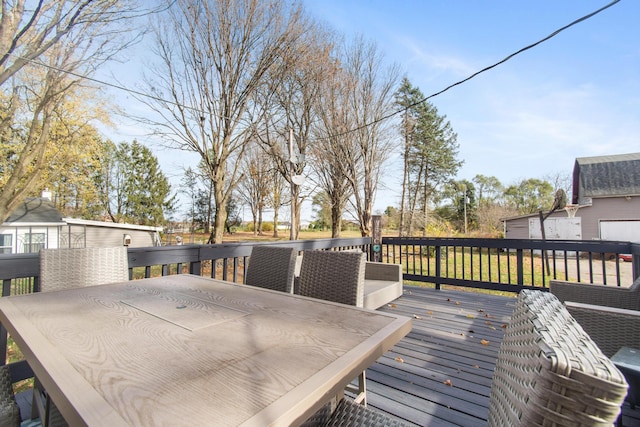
x=610 y=328
x=607 y=295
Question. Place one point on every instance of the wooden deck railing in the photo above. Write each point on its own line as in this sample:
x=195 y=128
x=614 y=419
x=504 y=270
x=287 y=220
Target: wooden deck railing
x=20 y=273
x=510 y=264
x=498 y=264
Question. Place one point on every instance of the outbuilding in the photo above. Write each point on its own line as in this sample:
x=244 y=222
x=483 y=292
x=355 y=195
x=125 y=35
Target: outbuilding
x=37 y=224
x=605 y=204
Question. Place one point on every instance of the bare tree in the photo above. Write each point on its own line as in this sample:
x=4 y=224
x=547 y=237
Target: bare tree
x=276 y=197
x=371 y=97
x=256 y=184
x=58 y=41
x=213 y=56
x=286 y=109
x=327 y=155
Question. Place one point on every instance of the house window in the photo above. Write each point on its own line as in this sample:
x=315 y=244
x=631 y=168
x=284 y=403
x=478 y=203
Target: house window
x=6 y=241
x=33 y=242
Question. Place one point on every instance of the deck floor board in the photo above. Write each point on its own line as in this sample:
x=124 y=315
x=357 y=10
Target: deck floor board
x=440 y=373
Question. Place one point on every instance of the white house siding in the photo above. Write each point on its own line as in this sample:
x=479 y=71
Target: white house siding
x=20 y=241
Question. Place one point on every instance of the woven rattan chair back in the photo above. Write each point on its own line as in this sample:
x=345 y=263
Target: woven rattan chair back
x=9 y=411
x=549 y=372
x=333 y=276
x=78 y=267
x=272 y=267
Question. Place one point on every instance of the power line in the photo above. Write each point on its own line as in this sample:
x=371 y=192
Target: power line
x=555 y=33
x=383 y=118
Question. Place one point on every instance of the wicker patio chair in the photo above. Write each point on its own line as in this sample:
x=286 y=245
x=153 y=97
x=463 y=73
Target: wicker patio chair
x=549 y=372
x=333 y=276
x=68 y=268
x=608 y=295
x=9 y=411
x=610 y=328
x=78 y=267
x=348 y=413
x=272 y=267
x=339 y=277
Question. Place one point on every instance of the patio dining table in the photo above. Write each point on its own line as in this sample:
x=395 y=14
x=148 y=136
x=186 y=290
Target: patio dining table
x=188 y=350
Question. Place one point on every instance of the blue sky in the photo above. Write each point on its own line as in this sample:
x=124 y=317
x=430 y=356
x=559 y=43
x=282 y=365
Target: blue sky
x=575 y=95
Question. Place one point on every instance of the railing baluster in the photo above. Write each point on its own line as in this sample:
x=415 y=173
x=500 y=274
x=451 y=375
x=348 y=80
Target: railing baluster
x=438 y=264
x=520 y=266
x=235 y=270
x=225 y=264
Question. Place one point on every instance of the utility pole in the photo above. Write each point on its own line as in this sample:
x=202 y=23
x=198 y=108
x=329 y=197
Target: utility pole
x=464 y=201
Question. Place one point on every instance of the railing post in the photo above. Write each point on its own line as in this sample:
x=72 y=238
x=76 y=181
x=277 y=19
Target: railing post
x=376 y=237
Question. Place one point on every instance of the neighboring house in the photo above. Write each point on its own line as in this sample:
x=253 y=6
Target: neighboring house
x=34 y=225
x=606 y=199
x=37 y=224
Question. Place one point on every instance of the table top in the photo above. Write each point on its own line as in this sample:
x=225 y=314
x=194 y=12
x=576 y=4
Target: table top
x=185 y=349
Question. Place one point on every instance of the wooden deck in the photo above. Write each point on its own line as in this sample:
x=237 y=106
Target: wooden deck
x=440 y=374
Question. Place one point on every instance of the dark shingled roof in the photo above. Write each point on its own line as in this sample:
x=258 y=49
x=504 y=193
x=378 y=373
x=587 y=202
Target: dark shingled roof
x=605 y=176
x=35 y=210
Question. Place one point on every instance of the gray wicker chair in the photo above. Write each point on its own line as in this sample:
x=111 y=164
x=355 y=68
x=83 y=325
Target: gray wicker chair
x=9 y=411
x=608 y=295
x=272 y=267
x=339 y=277
x=550 y=372
x=79 y=267
x=333 y=276
x=610 y=328
x=74 y=268
x=348 y=413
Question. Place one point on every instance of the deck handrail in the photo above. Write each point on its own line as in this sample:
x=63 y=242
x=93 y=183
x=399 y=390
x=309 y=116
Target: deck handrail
x=529 y=264
x=467 y=262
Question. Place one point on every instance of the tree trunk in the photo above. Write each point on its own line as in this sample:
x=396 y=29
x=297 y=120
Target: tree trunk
x=295 y=212
x=220 y=217
x=336 y=222
x=405 y=178
x=275 y=222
